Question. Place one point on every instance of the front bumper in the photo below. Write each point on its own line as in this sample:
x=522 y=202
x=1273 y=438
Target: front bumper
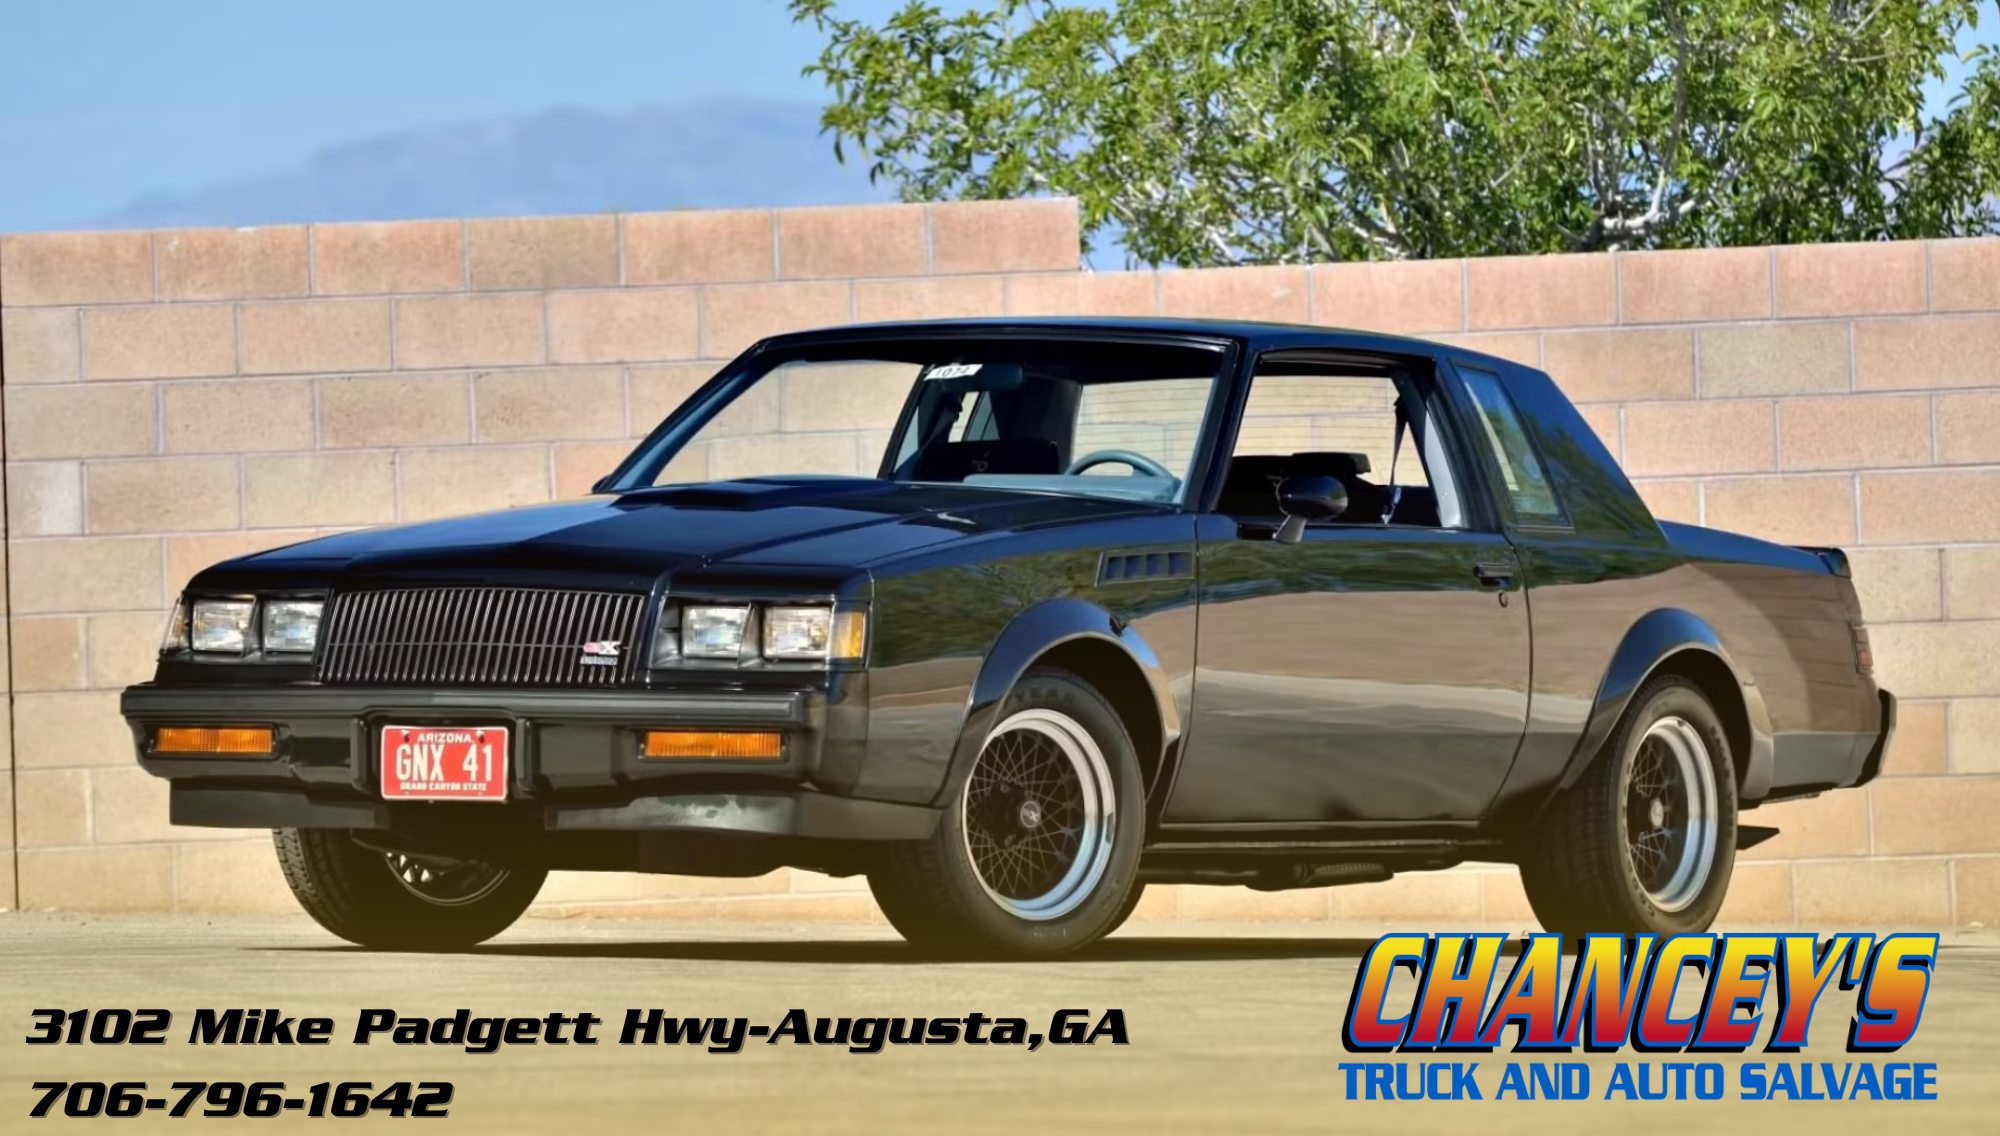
x=575 y=762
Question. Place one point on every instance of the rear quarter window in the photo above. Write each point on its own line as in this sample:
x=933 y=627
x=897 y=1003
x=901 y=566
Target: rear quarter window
x=1525 y=479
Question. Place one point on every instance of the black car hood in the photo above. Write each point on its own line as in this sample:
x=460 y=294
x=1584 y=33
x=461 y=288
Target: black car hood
x=626 y=541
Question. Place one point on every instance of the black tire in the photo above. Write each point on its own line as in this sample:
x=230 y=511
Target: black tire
x=358 y=894
x=934 y=892
x=1598 y=864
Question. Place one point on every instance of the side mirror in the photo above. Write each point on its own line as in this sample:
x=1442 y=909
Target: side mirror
x=1308 y=498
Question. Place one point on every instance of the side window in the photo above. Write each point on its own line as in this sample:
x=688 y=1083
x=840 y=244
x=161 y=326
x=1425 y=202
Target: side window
x=1527 y=482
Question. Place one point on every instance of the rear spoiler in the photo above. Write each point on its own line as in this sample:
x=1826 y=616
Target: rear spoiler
x=1834 y=559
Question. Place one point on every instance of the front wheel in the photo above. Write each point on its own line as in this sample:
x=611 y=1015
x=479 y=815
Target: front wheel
x=1645 y=841
x=1038 y=853
x=399 y=901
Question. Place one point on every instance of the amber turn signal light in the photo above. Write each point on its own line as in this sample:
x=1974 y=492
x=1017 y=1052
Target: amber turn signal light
x=237 y=740
x=728 y=744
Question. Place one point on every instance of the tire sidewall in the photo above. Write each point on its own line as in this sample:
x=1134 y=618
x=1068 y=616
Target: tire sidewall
x=1105 y=907
x=1680 y=699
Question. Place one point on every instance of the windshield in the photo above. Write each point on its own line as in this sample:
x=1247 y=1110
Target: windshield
x=1111 y=419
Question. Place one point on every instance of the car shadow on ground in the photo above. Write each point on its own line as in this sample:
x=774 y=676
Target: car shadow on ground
x=891 y=952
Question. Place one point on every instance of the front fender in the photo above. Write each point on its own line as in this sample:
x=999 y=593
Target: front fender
x=1657 y=636
x=1035 y=632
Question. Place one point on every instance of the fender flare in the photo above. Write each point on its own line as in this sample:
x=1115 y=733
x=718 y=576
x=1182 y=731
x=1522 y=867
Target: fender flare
x=1033 y=633
x=1655 y=637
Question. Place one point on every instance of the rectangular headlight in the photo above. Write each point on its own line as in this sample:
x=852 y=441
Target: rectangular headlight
x=291 y=626
x=222 y=626
x=797 y=632
x=713 y=632
x=175 y=638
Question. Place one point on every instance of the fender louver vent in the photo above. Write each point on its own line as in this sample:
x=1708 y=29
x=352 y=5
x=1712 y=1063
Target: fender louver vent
x=1118 y=568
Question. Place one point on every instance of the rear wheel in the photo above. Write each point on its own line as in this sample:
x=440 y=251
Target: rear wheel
x=400 y=901
x=1038 y=853
x=1645 y=841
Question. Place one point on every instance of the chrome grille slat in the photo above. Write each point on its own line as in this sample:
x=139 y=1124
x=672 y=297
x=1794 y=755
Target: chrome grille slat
x=477 y=636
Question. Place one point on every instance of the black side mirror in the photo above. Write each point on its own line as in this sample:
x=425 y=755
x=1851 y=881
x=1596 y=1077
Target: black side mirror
x=1307 y=498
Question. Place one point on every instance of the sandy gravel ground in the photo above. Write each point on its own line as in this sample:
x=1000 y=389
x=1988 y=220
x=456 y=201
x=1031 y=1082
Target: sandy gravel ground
x=1233 y=1030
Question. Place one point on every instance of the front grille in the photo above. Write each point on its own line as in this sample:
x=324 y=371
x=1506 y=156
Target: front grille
x=480 y=637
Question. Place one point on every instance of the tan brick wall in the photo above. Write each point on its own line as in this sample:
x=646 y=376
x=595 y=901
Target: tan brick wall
x=174 y=398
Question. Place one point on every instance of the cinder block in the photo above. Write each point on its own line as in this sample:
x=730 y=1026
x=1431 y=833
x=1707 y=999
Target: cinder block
x=1415 y=897
x=1926 y=507
x=159 y=341
x=1571 y=290
x=44 y=498
x=852 y=240
x=232 y=264
x=292 y=490
x=1503 y=900
x=1968 y=428
x=53 y=808
x=83 y=574
x=1410 y=297
x=1759 y=894
x=929 y=297
x=734 y=316
x=1831 y=825
x=1241 y=905
x=129 y=806
x=1026 y=235
x=1789 y=510
x=187 y=555
x=38 y=269
x=1680 y=439
x=161 y=495
x=580 y=464
x=46 y=652
x=1938 y=660
x=1897 y=585
x=655 y=392
x=81 y=421
x=372 y=258
x=798 y=909
x=755 y=455
x=1672 y=500
x=625 y=326
x=1276 y=293
x=40 y=345
x=124 y=648
x=1931 y=352
x=1975 y=887
x=1918 y=746
x=1916 y=815
x=460 y=480
x=534 y=406
x=97 y=879
x=1975 y=735
x=1603 y=419
x=1861 y=278
x=469 y=331
x=1869 y=894
x=1774 y=358
x=1083 y=294
x=70 y=730
x=675 y=887
x=1965 y=275
x=1621 y=366
x=394 y=410
x=233 y=877
x=1523 y=347
x=1694 y=285
x=507 y=253
x=315 y=336
x=1972 y=583
x=700 y=247
x=1851 y=433
x=235 y=416
x=859 y=397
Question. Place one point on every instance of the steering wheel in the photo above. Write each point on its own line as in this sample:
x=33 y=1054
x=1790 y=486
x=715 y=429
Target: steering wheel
x=1139 y=462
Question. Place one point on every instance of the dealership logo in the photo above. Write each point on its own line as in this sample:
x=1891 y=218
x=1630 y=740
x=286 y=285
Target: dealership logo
x=600 y=653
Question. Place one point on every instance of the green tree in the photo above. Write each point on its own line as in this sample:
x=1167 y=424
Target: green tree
x=1283 y=131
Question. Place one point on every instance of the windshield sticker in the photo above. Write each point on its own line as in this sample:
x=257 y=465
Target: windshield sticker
x=952 y=370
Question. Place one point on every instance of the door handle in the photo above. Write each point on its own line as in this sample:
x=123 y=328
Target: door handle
x=1494 y=574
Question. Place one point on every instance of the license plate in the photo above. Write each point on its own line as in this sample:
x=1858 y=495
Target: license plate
x=444 y=763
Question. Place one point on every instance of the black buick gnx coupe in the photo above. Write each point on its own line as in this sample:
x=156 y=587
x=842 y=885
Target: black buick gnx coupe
x=1016 y=617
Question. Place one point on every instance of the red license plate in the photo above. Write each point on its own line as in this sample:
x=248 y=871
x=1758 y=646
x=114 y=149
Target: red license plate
x=444 y=763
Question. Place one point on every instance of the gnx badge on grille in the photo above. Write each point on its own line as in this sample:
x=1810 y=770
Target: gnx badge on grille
x=600 y=653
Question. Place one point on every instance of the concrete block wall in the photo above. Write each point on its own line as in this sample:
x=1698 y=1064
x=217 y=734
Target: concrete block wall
x=173 y=398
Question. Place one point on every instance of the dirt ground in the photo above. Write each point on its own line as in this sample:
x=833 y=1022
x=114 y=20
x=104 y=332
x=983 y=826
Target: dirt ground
x=1232 y=1029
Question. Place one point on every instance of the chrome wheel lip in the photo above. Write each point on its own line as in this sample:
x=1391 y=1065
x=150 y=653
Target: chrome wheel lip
x=1098 y=826
x=420 y=875
x=1688 y=799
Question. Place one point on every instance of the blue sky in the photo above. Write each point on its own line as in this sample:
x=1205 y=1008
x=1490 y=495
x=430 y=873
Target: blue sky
x=103 y=101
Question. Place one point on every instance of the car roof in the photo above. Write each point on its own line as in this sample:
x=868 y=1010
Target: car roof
x=1259 y=335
